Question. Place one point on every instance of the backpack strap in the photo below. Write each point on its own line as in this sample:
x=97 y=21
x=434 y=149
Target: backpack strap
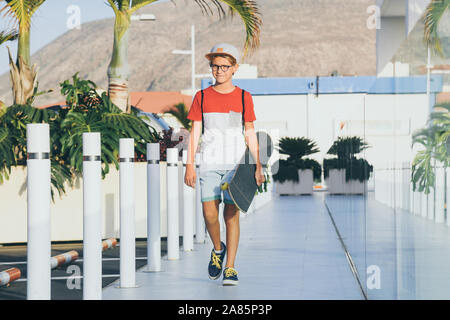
x=243 y=110
x=201 y=108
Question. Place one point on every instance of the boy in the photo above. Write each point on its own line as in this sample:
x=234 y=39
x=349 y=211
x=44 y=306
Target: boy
x=221 y=126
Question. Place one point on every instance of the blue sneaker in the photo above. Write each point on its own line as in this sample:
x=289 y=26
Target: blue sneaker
x=215 y=263
x=230 y=277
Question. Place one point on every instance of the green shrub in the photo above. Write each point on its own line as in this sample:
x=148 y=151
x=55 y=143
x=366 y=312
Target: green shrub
x=296 y=149
x=86 y=111
x=345 y=148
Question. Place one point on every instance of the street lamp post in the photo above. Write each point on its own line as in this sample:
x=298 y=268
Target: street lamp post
x=192 y=53
x=429 y=67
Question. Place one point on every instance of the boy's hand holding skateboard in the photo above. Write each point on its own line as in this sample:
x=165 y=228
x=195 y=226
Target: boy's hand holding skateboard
x=190 y=176
x=259 y=175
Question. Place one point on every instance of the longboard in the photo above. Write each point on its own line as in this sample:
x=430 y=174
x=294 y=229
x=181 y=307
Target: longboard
x=242 y=187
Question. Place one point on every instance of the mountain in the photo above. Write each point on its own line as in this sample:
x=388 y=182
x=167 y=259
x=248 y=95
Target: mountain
x=298 y=38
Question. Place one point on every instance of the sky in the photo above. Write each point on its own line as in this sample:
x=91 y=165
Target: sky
x=52 y=19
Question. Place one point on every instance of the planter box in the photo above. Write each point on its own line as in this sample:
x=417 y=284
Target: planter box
x=67 y=211
x=304 y=186
x=336 y=183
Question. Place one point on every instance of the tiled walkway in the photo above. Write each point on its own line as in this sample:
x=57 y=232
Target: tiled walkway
x=288 y=250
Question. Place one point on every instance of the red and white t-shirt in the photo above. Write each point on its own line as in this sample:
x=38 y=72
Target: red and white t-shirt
x=222 y=143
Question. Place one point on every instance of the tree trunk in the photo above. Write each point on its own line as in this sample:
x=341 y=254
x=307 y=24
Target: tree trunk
x=23 y=79
x=23 y=45
x=118 y=70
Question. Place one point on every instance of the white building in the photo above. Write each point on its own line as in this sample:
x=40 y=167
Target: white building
x=384 y=111
x=396 y=19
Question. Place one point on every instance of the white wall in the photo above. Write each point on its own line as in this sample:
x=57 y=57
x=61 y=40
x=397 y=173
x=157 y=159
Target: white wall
x=67 y=211
x=246 y=71
x=369 y=116
x=389 y=38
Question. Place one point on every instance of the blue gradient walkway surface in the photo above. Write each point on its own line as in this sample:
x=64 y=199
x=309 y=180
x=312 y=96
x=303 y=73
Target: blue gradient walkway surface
x=411 y=252
x=288 y=249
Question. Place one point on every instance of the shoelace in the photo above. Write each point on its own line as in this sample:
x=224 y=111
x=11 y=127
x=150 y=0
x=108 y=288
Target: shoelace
x=230 y=272
x=216 y=260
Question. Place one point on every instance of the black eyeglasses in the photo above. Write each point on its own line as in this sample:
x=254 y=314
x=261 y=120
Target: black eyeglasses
x=224 y=68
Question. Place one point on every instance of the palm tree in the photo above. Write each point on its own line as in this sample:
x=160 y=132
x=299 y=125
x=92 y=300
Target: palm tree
x=435 y=147
x=180 y=112
x=118 y=70
x=441 y=119
x=434 y=13
x=422 y=173
x=7 y=36
x=23 y=77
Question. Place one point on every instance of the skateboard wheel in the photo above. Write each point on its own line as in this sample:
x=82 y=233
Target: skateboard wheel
x=224 y=186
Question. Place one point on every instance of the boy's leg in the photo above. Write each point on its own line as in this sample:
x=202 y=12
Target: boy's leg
x=210 y=190
x=231 y=216
x=211 y=215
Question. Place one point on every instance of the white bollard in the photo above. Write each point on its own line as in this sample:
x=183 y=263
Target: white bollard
x=200 y=232
x=391 y=186
x=188 y=211
x=127 y=220
x=92 y=216
x=412 y=195
x=424 y=204
x=439 y=204
x=379 y=185
x=386 y=192
x=153 y=208
x=38 y=199
x=417 y=206
x=447 y=177
x=406 y=175
x=398 y=186
x=173 y=241
x=431 y=204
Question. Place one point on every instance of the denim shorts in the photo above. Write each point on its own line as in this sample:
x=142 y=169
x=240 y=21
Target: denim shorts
x=210 y=183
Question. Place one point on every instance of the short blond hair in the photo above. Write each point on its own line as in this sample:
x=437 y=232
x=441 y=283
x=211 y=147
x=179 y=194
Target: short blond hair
x=231 y=59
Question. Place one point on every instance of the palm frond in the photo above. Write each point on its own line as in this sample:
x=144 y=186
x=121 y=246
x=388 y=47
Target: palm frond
x=8 y=158
x=297 y=148
x=180 y=113
x=347 y=147
x=137 y=4
x=8 y=36
x=21 y=10
x=114 y=4
x=249 y=13
x=432 y=18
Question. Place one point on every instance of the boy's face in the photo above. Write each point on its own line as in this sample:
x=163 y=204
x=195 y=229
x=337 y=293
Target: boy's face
x=217 y=72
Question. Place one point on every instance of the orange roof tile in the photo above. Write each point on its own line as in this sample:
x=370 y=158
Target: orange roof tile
x=443 y=97
x=150 y=101
x=158 y=102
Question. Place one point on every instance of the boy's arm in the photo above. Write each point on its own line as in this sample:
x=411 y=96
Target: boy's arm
x=194 y=137
x=252 y=141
